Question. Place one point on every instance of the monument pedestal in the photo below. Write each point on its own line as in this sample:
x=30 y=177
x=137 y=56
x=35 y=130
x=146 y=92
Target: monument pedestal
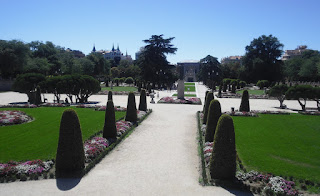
x=180 y=89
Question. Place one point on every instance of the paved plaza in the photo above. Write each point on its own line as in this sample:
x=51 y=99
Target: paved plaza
x=159 y=158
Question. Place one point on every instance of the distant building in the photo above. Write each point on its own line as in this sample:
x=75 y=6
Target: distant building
x=76 y=53
x=288 y=54
x=114 y=54
x=191 y=69
x=231 y=59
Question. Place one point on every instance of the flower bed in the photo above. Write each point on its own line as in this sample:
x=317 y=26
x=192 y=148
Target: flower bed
x=13 y=117
x=236 y=95
x=270 y=112
x=117 y=92
x=269 y=183
x=54 y=105
x=316 y=113
x=28 y=167
x=116 y=108
x=237 y=113
x=192 y=100
x=93 y=147
x=18 y=106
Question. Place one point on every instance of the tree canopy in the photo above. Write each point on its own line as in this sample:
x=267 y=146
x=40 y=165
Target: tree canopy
x=209 y=69
x=261 y=61
x=153 y=61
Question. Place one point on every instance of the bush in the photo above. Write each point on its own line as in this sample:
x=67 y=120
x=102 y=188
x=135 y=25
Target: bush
x=213 y=117
x=109 y=128
x=23 y=177
x=110 y=95
x=209 y=98
x=129 y=80
x=70 y=154
x=298 y=92
x=38 y=96
x=263 y=83
x=143 y=100
x=279 y=91
x=242 y=84
x=205 y=98
x=223 y=158
x=244 y=106
x=131 y=108
x=116 y=80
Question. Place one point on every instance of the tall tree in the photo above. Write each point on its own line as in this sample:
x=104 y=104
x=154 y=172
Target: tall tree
x=153 y=61
x=209 y=69
x=261 y=60
x=13 y=56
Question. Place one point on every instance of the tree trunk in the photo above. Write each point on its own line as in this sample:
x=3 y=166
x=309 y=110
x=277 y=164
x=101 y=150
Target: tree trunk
x=303 y=106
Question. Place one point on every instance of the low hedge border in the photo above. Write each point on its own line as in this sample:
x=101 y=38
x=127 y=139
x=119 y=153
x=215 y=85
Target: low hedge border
x=203 y=178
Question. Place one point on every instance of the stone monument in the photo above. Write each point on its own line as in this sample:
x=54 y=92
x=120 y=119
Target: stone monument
x=181 y=83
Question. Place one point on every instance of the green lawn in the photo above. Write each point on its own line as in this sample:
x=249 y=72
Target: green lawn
x=39 y=138
x=191 y=88
x=120 y=88
x=287 y=145
x=189 y=84
x=253 y=92
x=186 y=95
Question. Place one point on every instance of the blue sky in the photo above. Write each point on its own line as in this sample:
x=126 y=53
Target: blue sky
x=204 y=27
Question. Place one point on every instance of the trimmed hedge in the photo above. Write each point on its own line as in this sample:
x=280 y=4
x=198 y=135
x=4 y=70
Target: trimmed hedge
x=244 y=106
x=109 y=128
x=70 y=153
x=209 y=98
x=131 y=114
x=212 y=121
x=143 y=100
x=223 y=157
x=110 y=96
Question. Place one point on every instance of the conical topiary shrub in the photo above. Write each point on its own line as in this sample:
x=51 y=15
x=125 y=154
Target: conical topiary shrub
x=110 y=96
x=244 y=106
x=131 y=108
x=205 y=98
x=143 y=100
x=212 y=121
x=109 y=128
x=70 y=154
x=209 y=98
x=223 y=157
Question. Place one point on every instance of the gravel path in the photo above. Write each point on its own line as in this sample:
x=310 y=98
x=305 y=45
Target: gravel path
x=159 y=158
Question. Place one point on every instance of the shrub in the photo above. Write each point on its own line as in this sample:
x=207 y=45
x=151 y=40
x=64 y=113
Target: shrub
x=51 y=175
x=279 y=92
x=116 y=80
x=70 y=153
x=205 y=98
x=233 y=88
x=23 y=177
x=38 y=96
x=213 y=117
x=209 y=98
x=109 y=128
x=131 y=108
x=298 y=92
x=224 y=88
x=263 y=83
x=220 y=88
x=129 y=80
x=110 y=95
x=223 y=158
x=242 y=84
x=143 y=100
x=244 y=106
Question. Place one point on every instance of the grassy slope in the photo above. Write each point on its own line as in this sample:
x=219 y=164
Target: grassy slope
x=253 y=92
x=285 y=145
x=39 y=138
x=119 y=88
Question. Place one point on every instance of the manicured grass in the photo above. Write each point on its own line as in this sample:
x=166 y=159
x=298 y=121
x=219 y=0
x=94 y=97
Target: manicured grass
x=39 y=138
x=120 y=88
x=191 y=88
x=287 y=145
x=253 y=92
x=186 y=95
x=189 y=84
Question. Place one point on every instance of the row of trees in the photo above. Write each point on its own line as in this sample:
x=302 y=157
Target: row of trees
x=262 y=62
x=80 y=86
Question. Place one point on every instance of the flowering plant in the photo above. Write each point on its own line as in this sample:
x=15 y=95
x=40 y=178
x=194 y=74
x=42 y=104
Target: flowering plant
x=18 y=106
x=207 y=150
x=316 y=113
x=238 y=113
x=275 y=184
x=122 y=127
x=269 y=112
x=192 y=100
x=8 y=117
x=86 y=106
x=116 y=108
x=28 y=167
x=94 y=146
x=53 y=105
